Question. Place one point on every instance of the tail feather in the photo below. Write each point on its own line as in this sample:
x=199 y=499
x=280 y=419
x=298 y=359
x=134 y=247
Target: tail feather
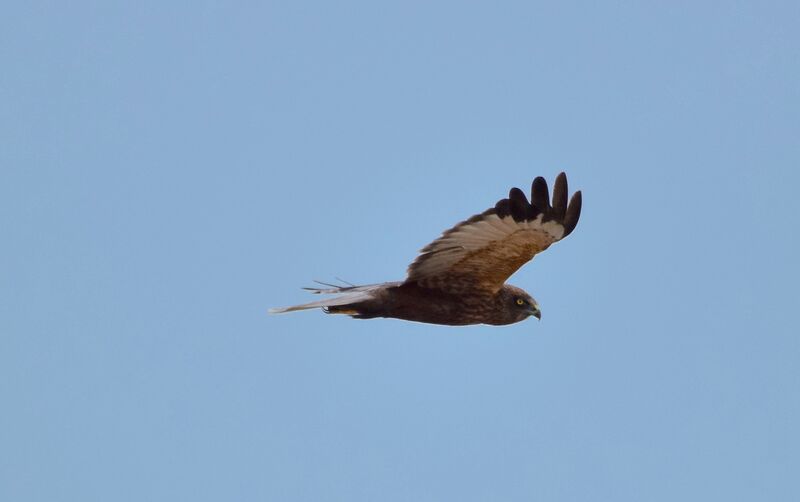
x=344 y=299
x=347 y=295
x=333 y=289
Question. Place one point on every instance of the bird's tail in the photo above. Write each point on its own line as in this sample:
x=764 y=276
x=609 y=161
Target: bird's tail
x=344 y=303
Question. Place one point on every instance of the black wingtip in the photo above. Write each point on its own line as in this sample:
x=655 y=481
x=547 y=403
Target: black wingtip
x=573 y=213
x=566 y=213
x=519 y=204
x=540 y=195
x=503 y=208
x=517 y=194
x=560 y=191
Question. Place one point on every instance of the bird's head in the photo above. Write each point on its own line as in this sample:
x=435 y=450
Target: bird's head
x=517 y=305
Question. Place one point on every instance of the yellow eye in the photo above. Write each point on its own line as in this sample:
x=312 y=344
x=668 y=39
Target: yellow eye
x=520 y=301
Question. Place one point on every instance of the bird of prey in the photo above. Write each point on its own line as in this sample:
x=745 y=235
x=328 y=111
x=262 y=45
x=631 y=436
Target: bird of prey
x=459 y=278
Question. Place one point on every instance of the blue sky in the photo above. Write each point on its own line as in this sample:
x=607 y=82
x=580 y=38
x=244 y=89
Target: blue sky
x=168 y=171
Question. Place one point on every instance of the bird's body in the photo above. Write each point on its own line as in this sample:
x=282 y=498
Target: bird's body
x=412 y=302
x=459 y=279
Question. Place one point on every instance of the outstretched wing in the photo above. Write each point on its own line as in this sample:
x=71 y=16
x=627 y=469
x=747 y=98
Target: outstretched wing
x=483 y=251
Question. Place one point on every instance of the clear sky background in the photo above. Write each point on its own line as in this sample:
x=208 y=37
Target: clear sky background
x=169 y=170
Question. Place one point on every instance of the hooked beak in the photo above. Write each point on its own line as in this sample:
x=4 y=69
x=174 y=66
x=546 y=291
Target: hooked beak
x=535 y=312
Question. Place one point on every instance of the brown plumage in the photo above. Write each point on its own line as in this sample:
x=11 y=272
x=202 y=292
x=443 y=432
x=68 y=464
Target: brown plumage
x=459 y=278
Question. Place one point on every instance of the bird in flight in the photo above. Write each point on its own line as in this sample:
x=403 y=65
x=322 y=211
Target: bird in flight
x=459 y=279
